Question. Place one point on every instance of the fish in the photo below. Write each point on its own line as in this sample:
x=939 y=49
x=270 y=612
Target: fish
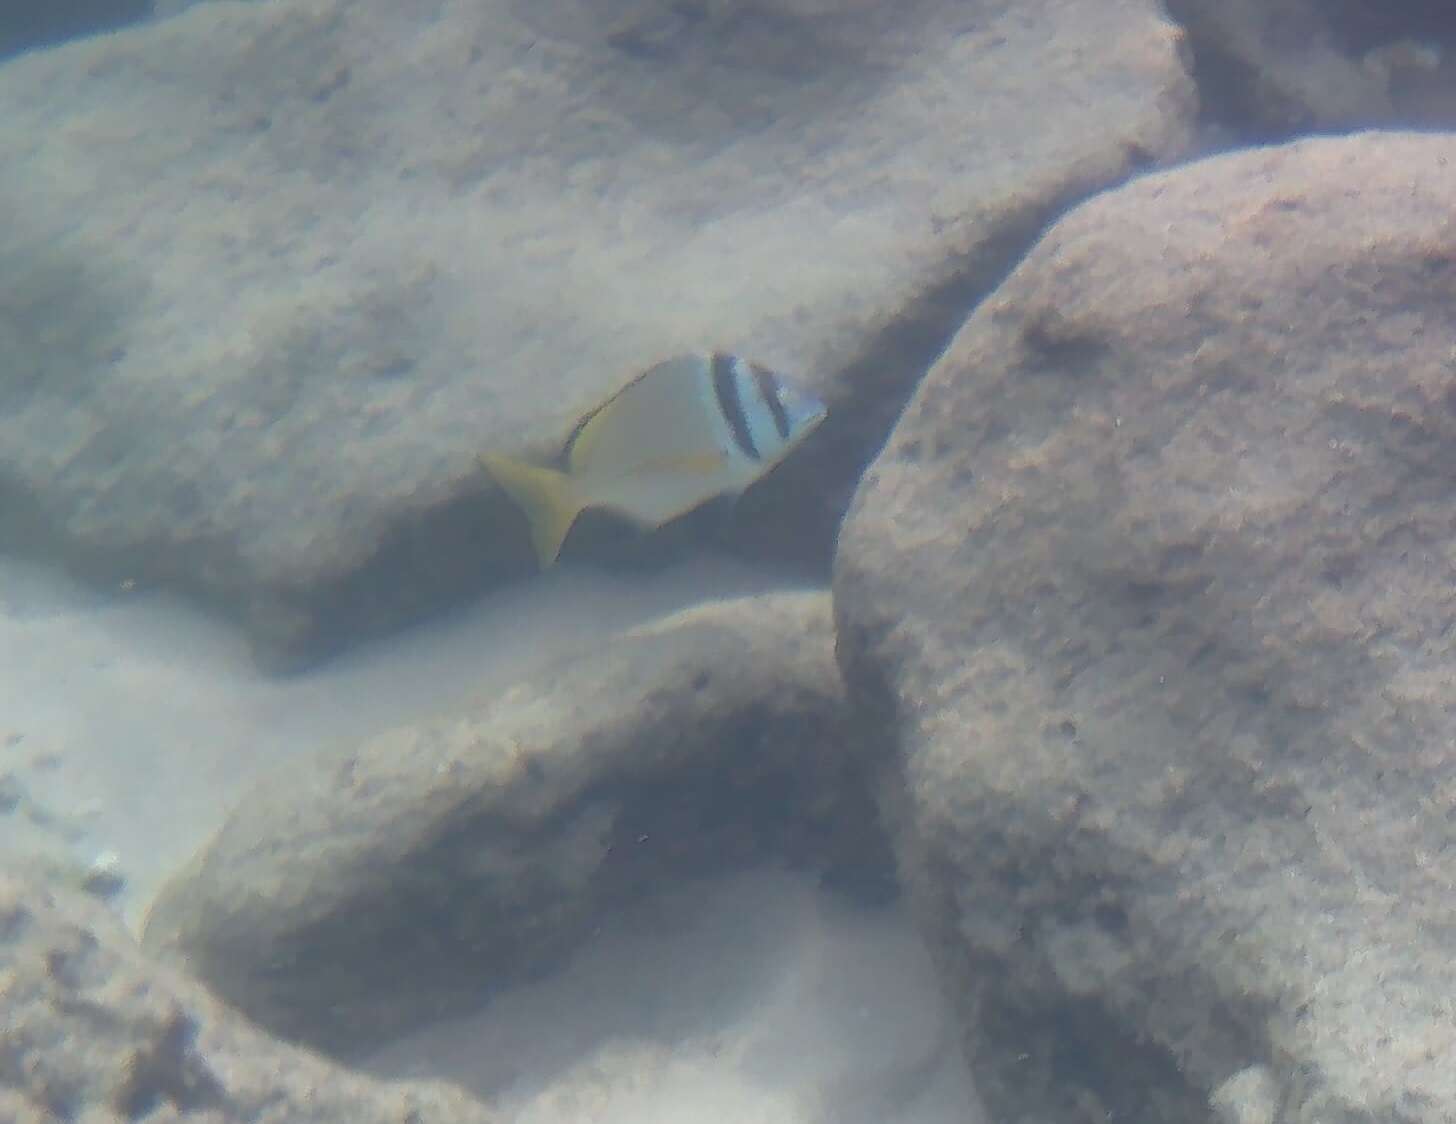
x=689 y=429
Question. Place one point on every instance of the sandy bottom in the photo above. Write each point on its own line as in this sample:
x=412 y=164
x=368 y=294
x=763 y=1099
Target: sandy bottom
x=756 y=998
x=130 y=724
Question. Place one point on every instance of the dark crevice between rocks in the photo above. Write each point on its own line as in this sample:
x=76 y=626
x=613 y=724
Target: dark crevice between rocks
x=746 y=809
x=1242 y=103
x=168 y=1071
x=1233 y=94
x=796 y=522
x=1359 y=25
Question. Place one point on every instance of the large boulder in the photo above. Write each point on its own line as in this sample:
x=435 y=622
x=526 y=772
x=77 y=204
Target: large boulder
x=1152 y=589
x=96 y=1032
x=274 y=274
x=399 y=881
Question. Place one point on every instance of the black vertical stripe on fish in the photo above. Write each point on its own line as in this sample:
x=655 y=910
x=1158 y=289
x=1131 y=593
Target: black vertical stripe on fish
x=768 y=390
x=725 y=386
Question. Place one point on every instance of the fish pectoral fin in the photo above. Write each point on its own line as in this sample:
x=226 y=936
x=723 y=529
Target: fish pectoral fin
x=545 y=496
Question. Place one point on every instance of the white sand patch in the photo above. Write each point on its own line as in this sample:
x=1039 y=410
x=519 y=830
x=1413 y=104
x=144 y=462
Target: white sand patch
x=756 y=998
x=130 y=724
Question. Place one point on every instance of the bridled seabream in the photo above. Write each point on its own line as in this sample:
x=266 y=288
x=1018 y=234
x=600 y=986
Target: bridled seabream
x=688 y=430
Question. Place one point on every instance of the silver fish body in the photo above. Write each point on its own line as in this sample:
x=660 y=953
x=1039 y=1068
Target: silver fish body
x=685 y=431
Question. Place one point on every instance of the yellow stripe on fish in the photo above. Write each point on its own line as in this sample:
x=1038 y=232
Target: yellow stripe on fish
x=685 y=431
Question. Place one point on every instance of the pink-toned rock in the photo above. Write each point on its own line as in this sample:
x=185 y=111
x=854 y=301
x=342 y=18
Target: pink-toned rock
x=1153 y=590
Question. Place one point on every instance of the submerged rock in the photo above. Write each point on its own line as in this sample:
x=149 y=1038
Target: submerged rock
x=277 y=273
x=1152 y=590
x=375 y=889
x=94 y=1031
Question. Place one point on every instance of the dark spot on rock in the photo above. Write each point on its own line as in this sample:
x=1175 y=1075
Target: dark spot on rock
x=1059 y=342
x=701 y=681
x=1068 y=729
x=166 y=1070
x=1137 y=156
x=103 y=882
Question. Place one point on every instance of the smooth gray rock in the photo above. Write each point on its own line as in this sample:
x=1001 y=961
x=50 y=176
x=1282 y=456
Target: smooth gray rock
x=96 y=1032
x=273 y=274
x=1153 y=589
x=375 y=889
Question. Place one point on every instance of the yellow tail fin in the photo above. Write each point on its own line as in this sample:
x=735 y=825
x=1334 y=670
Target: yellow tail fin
x=544 y=495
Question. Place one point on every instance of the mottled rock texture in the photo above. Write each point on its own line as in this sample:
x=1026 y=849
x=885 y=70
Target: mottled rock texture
x=273 y=274
x=95 y=1032
x=1152 y=590
x=398 y=881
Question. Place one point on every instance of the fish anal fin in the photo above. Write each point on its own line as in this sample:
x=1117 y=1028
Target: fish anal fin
x=544 y=495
